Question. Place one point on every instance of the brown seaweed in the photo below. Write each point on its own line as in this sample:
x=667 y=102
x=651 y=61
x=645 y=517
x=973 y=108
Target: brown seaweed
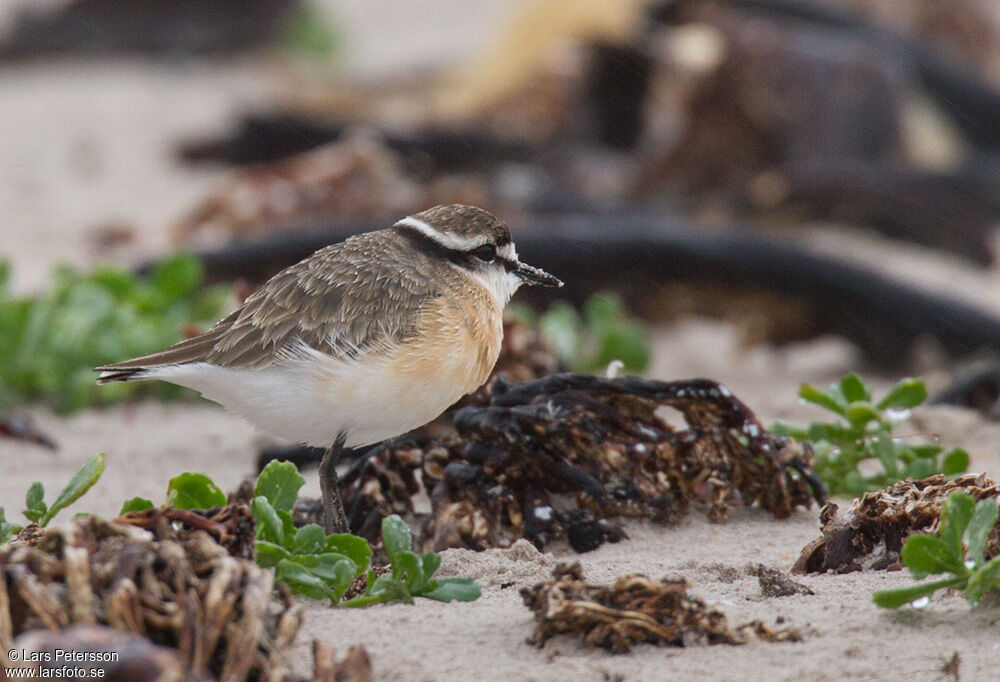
x=568 y=453
x=774 y=583
x=635 y=609
x=162 y=575
x=871 y=533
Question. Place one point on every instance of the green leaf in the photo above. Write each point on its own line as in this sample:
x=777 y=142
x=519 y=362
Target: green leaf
x=287 y=526
x=280 y=482
x=626 y=342
x=309 y=539
x=34 y=502
x=7 y=530
x=984 y=579
x=389 y=589
x=302 y=581
x=854 y=389
x=81 y=482
x=860 y=413
x=883 y=448
x=930 y=555
x=269 y=524
x=192 y=490
x=135 y=504
x=178 y=275
x=978 y=532
x=955 y=462
x=116 y=281
x=956 y=512
x=896 y=597
x=454 y=589
x=354 y=548
x=603 y=311
x=396 y=536
x=269 y=554
x=336 y=570
x=813 y=395
x=321 y=565
x=35 y=499
x=308 y=32
x=560 y=326
x=344 y=574
x=904 y=395
x=926 y=451
x=520 y=313
x=406 y=568
x=430 y=562
x=833 y=433
x=785 y=429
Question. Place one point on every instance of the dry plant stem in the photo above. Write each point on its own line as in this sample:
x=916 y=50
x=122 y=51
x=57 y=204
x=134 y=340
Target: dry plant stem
x=334 y=518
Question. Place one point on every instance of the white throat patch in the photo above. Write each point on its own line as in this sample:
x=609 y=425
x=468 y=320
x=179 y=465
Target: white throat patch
x=500 y=283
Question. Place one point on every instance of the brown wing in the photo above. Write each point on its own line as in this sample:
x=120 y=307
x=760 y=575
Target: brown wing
x=361 y=293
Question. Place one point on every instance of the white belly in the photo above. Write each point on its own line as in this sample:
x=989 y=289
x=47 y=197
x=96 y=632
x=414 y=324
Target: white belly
x=313 y=398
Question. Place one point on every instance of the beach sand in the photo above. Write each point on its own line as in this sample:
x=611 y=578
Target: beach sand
x=86 y=146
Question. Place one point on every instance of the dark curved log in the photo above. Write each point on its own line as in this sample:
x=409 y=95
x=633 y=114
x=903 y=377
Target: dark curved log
x=263 y=137
x=976 y=387
x=635 y=254
x=153 y=28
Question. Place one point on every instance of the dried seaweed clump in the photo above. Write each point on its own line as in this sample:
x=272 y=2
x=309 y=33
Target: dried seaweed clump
x=871 y=533
x=634 y=610
x=177 y=587
x=564 y=454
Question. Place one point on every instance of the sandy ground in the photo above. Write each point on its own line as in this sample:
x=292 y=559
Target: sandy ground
x=846 y=636
x=85 y=145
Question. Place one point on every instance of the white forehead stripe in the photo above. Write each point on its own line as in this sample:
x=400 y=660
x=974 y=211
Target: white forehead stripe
x=445 y=239
x=508 y=252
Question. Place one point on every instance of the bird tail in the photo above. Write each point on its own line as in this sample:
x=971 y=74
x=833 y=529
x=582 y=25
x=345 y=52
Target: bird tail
x=146 y=367
x=109 y=374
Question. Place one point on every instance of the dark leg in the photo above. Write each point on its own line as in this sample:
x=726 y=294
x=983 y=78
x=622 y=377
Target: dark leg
x=334 y=519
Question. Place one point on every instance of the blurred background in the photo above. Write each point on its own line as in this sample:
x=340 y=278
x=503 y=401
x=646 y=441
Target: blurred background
x=778 y=190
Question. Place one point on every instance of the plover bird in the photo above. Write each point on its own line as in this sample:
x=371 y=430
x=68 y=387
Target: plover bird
x=362 y=341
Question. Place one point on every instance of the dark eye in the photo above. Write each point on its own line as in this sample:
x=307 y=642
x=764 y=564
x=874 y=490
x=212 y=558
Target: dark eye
x=486 y=253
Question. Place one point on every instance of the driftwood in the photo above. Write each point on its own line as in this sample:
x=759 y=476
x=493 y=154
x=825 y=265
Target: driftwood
x=956 y=212
x=21 y=427
x=156 y=28
x=637 y=253
x=977 y=387
x=267 y=137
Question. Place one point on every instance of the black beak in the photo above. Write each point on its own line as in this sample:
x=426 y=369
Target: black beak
x=532 y=275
